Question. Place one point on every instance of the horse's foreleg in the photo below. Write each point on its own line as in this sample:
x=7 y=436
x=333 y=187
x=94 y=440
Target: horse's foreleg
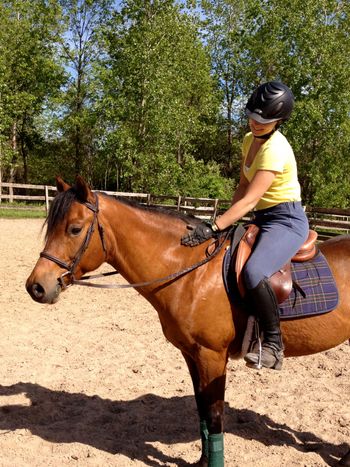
x=204 y=433
x=208 y=376
x=212 y=397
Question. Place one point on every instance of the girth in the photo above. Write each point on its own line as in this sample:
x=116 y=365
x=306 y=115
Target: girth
x=280 y=281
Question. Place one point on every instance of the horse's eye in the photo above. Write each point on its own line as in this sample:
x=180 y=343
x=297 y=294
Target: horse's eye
x=75 y=230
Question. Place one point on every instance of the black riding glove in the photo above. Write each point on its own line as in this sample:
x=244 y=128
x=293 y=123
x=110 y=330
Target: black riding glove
x=199 y=234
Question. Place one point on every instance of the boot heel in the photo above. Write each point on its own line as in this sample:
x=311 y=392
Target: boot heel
x=278 y=365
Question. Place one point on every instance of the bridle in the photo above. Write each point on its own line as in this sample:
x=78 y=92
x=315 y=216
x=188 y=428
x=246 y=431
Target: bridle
x=219 y=243
x=73 y=265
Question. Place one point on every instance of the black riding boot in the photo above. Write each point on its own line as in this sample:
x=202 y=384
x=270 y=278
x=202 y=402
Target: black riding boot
x=263 y=299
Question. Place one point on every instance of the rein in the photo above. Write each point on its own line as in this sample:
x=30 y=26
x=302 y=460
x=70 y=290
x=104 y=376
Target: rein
x=219 y=243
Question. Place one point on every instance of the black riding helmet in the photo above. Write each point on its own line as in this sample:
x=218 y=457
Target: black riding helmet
x=270 y=102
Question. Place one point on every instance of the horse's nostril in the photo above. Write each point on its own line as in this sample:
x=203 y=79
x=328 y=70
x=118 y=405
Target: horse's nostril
x=47 y=293
x=38 y=291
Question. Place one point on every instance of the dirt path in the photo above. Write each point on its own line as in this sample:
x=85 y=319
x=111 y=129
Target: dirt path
x=91 y=381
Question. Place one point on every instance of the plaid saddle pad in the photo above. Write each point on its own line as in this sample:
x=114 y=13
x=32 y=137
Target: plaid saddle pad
x=314 y=290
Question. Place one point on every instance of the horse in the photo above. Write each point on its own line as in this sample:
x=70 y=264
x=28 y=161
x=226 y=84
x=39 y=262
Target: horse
x=86 y=229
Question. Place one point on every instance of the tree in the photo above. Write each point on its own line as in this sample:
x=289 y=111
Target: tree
x=225 y=28
x=80 y=49
x=29 y=75
x=159 y=96
x=305 y=45
x=311 y=44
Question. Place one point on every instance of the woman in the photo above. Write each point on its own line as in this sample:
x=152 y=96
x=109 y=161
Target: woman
x=269 y=186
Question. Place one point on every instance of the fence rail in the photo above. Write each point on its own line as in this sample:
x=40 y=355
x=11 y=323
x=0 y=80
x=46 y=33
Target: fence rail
x=327 y=222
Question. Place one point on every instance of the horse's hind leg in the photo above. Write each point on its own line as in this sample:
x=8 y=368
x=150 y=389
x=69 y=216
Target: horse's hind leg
x=208 y=377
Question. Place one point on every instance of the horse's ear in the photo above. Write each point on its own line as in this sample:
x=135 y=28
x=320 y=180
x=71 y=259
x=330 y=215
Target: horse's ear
x=83 y=190
x=61 y=184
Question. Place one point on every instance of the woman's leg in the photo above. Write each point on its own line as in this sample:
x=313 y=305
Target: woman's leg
x=275 y=246
x=263 y=300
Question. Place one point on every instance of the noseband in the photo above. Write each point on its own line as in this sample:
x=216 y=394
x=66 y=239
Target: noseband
x=73 y=265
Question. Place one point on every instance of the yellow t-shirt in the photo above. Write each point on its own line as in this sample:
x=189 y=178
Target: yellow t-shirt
x=277 y=155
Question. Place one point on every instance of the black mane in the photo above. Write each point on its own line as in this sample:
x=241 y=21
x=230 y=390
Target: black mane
x=63 y=201
x=158 y=210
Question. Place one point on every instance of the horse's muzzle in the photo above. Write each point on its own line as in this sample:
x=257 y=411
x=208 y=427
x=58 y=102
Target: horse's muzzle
x=38 y=292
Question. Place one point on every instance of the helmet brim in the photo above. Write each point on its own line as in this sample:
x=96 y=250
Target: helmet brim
x=258 y=118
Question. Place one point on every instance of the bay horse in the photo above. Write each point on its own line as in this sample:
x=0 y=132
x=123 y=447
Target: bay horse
x=85 y=229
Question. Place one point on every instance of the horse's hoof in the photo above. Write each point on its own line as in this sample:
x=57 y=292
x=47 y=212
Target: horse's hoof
x=345 y=461
x=203 y=462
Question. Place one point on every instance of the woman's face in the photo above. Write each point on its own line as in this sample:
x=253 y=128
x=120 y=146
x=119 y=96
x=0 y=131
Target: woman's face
x=261 y=129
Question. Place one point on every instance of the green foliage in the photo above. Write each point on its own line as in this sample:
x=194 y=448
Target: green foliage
x=158 y=93
x=162 y=175
x=310 y=46
x=79 y=47
x=204 y=180
x=150 y=95
x=306 y=45
x=28 y=75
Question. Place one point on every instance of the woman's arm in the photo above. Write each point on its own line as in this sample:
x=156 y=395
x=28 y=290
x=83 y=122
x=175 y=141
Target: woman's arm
x=241 y=189
x=246 y=197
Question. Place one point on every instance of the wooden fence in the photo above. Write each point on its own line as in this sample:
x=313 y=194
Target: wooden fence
x=327 y=222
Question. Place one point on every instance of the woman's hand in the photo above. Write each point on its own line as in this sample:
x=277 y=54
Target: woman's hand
x=199 y=234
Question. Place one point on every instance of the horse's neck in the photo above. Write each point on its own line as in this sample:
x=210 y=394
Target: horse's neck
x=141 y=244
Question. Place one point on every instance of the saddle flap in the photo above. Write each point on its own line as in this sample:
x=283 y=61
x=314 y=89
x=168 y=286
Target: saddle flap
x=281 y=281
x=243 y=252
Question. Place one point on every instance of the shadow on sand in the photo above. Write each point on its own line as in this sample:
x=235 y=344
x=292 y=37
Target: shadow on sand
x=129 y=427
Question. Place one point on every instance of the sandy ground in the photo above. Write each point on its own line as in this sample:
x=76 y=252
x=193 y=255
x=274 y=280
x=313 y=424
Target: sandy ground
x=91 y=381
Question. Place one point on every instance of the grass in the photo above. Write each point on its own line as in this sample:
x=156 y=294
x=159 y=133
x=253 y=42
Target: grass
x=21 y=211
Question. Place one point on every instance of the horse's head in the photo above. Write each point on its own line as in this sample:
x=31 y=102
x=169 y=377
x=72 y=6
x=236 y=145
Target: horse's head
x=74 y=243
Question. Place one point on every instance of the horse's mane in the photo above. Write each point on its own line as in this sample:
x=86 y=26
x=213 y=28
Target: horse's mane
x=63 y=201
x=162 y=211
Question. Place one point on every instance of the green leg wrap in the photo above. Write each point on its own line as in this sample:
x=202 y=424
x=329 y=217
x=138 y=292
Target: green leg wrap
x=205 y=438
x=216 y=450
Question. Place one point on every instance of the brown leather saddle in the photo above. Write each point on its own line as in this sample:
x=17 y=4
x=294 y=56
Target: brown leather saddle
x=281 y=281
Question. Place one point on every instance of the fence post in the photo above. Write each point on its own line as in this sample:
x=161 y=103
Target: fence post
x=47 y=199
x=215 y=208
x=178 y=202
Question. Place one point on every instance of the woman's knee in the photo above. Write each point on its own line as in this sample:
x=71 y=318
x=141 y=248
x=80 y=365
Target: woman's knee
x=252 y=276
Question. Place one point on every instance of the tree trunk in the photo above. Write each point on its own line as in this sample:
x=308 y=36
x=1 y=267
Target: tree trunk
x=229 y=102
x=14 y=149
